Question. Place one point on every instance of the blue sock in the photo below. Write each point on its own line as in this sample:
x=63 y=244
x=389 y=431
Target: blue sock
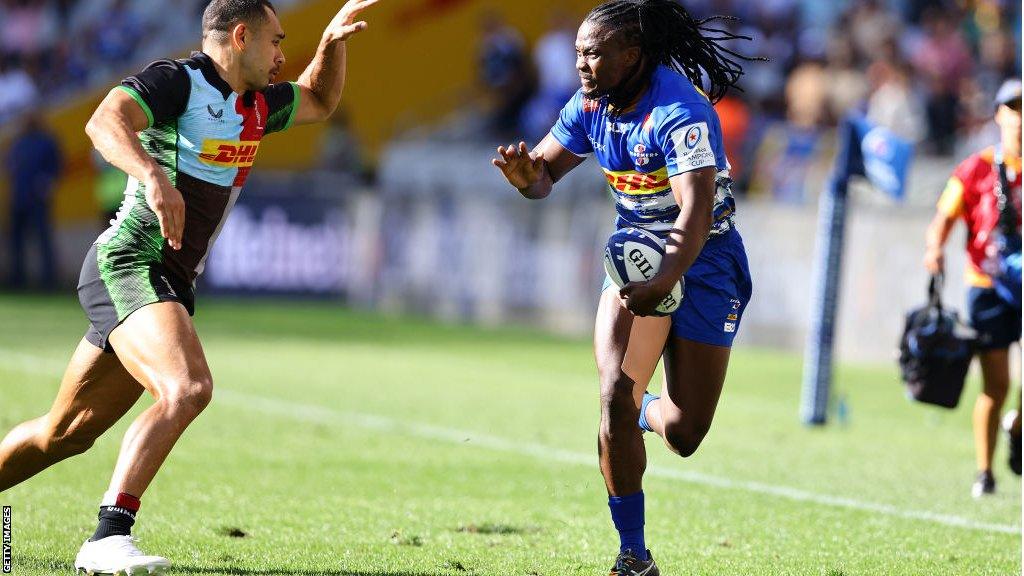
x=648 y=398
x=628 y=517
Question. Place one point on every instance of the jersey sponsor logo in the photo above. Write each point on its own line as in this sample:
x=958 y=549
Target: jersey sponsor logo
x=619 y=127
x=229 y=153
x=693 y=147
x=638 y=183
x=259 y=118
x=598 y=146
x=641 y=157
x=591 y=105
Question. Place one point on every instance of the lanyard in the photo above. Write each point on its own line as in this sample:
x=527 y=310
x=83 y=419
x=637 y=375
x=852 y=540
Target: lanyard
x=1007 y=211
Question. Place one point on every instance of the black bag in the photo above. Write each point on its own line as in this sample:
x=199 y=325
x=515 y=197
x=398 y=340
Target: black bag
x=935 y=351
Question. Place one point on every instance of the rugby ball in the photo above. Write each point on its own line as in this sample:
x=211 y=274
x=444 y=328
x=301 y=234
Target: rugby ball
x=634 y=255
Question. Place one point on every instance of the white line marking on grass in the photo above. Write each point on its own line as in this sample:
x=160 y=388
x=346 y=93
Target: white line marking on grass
x=32 y=364
x=322 y=415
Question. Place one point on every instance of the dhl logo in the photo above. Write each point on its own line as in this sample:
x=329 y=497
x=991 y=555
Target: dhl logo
x=638 y=183
x=229 y=153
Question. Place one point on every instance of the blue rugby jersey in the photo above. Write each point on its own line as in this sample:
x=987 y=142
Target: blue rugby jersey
x=672 y=130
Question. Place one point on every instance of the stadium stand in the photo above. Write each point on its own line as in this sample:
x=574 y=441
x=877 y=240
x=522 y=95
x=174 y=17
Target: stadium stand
x=418 y=124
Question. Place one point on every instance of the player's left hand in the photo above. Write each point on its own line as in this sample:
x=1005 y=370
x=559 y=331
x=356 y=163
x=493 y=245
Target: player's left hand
x=344 y=23
x=641 y=298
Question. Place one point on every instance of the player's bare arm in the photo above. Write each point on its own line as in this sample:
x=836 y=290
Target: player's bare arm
x=938 y=233
x=112 y=129
x=534 y=173
x=324 y=79
x=695 y=194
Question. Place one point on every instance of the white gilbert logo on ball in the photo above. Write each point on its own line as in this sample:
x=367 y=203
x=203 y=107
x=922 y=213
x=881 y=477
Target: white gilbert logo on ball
x=634 y=255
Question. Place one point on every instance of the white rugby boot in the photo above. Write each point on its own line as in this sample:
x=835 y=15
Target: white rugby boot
x=117 y=555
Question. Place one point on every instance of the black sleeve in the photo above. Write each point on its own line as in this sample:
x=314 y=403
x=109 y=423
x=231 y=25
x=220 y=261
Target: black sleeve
x=162 y=89
x=282 y=103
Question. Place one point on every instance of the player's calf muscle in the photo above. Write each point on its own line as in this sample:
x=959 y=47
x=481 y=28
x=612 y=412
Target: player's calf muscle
x=33 y=446
x=684 y=437
x=61 y=439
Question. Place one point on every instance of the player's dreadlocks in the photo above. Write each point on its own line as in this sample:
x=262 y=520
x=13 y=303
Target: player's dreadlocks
x=667 y=34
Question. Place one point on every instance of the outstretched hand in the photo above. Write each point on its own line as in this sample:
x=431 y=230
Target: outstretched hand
x=520 y=167
x=344 y=23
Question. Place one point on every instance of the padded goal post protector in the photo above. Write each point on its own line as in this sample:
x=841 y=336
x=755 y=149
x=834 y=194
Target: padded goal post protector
x=881 y=157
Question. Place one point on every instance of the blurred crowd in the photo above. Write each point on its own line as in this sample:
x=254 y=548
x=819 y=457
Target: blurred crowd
x=927 y=69
x=50 y=49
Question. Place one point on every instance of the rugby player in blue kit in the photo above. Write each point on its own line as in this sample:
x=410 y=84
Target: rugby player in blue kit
x=642 y=114
x=186 y=132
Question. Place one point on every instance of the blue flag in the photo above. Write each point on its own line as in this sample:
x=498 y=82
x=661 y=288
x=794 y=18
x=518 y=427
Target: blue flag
x=879 y=155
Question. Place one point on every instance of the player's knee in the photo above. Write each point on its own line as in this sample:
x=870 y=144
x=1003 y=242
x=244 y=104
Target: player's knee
x=617 y=397
x=188 y=398
x=684 y=439
x=616 y=392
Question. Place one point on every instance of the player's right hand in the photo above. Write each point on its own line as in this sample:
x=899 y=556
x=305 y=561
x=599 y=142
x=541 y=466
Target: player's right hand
x=934 y=261
x=521 y=167
x=167 y=203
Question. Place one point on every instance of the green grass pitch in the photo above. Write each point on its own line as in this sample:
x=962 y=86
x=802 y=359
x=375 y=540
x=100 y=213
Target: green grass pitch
x=350 y=443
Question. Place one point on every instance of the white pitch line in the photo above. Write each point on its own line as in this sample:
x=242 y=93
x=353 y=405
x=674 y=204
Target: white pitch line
x=322 y=415
x=32 y=364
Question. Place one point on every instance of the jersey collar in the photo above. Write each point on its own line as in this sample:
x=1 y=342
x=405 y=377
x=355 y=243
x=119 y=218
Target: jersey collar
x=209 y=72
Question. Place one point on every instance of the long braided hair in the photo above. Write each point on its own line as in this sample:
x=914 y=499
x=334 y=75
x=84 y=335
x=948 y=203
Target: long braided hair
x=667 y=34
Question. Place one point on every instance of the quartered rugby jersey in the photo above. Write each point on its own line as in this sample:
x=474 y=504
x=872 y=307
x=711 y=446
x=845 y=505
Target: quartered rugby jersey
x=205 y=137
x=672 y=130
